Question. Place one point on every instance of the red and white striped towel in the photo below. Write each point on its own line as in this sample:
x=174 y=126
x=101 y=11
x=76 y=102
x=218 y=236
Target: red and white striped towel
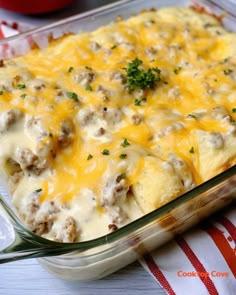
x=200 y=262
x=8 y=29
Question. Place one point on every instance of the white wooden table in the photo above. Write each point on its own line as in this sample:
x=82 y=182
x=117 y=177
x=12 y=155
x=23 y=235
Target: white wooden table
x=28 y=277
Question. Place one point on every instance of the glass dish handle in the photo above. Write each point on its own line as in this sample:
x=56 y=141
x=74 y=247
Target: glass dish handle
x=15 y=242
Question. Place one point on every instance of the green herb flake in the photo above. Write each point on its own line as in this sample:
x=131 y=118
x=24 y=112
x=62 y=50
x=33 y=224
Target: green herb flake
x=123 y=156
x=227 y=71
x=23 y=95
x=89 y=88
x=38 y=190
x=106 y=152
x=138 y=101
x=70 y=69
x=113 y=47
x=1 y=92
x=177 y=70
x=122 y=176
x=139 y=78
x=50 y=134
x=89 y=157
x=21 y=86
x=125 y=143
x=192 y=116
x=72 y=95
x=234 y=110
x=88 y=68
x=191 y=150
x=165 y=82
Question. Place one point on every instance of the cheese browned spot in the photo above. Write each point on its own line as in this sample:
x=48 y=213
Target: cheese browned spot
x=89 y=143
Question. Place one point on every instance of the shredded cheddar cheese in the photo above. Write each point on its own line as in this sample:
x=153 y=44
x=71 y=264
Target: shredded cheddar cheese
x=102 y=127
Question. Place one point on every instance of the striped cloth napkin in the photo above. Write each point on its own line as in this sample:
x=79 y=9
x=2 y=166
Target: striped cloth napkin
x=200 y=262
x=8 y=29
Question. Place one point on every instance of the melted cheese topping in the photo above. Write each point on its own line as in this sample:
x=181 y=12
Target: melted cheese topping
x=82 y=156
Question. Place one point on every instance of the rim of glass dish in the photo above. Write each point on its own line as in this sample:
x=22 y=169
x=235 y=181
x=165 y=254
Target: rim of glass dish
x=134 y=225
x=67 y=20
x=225 y=6
x=228 y=6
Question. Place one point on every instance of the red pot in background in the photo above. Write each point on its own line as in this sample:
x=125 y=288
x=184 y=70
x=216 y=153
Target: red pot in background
x=34 y=6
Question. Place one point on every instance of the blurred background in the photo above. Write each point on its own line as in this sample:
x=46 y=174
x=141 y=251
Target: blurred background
x=76 y=6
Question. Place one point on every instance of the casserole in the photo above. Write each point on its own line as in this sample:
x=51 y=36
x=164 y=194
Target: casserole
x=146 y=236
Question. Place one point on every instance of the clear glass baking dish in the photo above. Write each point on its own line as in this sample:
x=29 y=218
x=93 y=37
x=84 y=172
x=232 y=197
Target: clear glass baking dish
x=99 y=257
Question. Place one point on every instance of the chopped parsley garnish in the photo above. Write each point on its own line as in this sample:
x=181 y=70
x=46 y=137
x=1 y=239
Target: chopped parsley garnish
x=165 y=82
x=88 y=68
x=138 y=101
x=23 y=95
x=89 y=157
x=191 y=150
x=70 y=69
x=122 y=176
x=191 y=116
x=227 y=71
x=21 y=86
x=72 y=95
x=106 y=152
x=113 y=47
x=1 y=92
x=234 y=110
x=125 y=143
x=50 y=134
x=89 y=88
x=38 y=190
x=138 y=77
x=177 y=70
x=123 y=156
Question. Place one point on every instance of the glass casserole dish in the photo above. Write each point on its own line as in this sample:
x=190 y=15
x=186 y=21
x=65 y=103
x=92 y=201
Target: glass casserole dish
x=99 y=257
